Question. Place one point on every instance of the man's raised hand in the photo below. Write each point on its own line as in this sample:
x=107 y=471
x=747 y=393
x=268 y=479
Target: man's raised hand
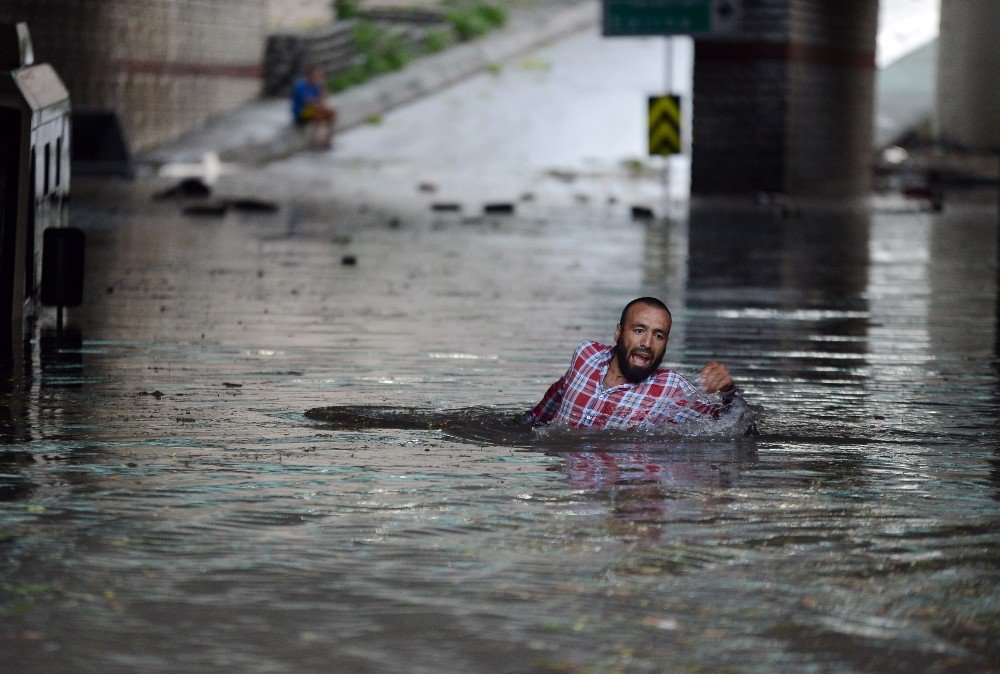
x=715 y=377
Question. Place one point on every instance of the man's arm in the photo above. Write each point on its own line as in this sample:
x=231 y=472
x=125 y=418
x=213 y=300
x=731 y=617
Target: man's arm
x=715 y=377
x=688 y=405
x=545 y=411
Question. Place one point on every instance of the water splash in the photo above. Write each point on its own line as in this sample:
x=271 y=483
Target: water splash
x=505 y=427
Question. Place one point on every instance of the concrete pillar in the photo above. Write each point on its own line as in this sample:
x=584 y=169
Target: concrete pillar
x=968 y=84
x=786 y=105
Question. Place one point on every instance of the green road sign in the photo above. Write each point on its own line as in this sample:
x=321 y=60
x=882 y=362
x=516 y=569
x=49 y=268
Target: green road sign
x=669 y=17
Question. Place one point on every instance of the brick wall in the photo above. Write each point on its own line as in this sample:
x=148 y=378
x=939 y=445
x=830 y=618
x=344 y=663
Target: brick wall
x=785 y=105
x=165 y=66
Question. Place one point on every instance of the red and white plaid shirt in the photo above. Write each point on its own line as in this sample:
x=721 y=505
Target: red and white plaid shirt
x=579 y=398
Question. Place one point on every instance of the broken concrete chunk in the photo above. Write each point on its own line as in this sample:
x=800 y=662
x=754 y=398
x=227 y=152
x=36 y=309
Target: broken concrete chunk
x=189 y=187
x=499 y=209
x=642 y=213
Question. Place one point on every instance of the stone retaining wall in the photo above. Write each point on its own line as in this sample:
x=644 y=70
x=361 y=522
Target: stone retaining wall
x=285 y=14
x=164 y=66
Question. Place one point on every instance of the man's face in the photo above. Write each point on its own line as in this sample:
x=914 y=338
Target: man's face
x=641 y=342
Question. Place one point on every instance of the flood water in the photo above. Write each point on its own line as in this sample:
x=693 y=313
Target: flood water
x=167 y=504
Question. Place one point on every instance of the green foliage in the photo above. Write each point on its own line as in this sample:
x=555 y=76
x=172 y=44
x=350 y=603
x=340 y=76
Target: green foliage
x=473 y=18
x=381 y=51
x=437 y=40
x=494 y=14
x=346 y=9
x=397 y=52
x=468 y=24
x=365 y=35
x=356 y=74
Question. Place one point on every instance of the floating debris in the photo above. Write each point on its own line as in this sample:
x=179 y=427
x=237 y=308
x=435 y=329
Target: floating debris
x=446 y=206
x=189 y=187
x=256 y=205
x=634 y=167
x=642 y=213
x=533 y=64
x=564 y=175
x=427 y=187
x=503 y=208
x=348 y=260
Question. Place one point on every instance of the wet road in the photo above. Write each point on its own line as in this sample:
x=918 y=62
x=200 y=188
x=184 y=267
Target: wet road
x=166 y=505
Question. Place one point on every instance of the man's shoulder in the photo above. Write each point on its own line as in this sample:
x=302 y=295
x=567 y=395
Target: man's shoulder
x=589 y=349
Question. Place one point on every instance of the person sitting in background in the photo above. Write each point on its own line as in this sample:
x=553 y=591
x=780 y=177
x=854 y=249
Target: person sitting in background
x=621 y=386
x=309 y=107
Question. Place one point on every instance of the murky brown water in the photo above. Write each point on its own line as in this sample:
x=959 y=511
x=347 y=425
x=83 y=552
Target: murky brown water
x=167 y=506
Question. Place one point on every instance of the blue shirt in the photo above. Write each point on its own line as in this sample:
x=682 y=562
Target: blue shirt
x=304 y=93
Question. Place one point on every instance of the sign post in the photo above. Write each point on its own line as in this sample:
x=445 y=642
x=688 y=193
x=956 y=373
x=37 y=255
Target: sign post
x=636 y=18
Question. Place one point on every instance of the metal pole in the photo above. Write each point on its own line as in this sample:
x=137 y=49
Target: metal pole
x=669 y=90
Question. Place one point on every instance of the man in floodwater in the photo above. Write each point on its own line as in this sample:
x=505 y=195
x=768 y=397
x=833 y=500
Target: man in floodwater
x=621 y=386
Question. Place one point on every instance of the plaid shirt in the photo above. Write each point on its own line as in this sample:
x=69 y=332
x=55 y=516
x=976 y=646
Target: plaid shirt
x=580 y=399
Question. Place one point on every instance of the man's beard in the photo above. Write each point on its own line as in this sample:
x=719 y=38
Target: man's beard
x=630 y=372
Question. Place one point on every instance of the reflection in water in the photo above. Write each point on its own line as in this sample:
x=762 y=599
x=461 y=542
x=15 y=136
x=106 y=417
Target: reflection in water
x=655 y=485
x=60 y=356
x=13 y=428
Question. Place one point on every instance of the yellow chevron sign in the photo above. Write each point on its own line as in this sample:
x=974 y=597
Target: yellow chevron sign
x=664 y=125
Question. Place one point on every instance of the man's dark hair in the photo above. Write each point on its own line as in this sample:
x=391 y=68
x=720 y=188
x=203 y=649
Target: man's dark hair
x=648 y=301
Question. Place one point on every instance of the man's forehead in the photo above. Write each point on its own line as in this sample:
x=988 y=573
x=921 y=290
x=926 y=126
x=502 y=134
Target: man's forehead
x=649 y=314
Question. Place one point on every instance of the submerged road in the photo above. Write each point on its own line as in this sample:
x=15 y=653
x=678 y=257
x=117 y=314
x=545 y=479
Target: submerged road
x=165 y=504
